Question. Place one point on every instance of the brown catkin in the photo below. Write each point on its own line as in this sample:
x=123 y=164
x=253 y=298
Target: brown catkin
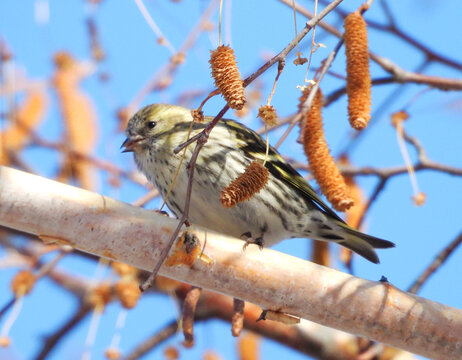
x=22 y=283
x=5 y=341
x=198 y=115
x=128 y=292
x=248 y=346
x=122 y=269
x=187 y=249
x=171 y=353
x=226 y=75
x=189 y=309
x=322 y=165
x=112 y=354
x=245 y=185
x=320 y=253
x=28 y=116
x=358 y=84
x=79 y=118
x=237 y=320
x=99 y=296
x=268 y=115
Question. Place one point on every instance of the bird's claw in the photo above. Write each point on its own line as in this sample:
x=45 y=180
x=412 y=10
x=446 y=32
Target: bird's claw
x=247 y=237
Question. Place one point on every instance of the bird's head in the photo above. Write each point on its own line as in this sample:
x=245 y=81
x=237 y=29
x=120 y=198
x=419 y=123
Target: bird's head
x=151 y=123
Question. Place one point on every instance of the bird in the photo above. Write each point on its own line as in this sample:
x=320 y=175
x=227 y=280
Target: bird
x=286 y=207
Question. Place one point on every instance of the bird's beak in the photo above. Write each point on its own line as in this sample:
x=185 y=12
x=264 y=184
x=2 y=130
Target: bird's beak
x=130 y=144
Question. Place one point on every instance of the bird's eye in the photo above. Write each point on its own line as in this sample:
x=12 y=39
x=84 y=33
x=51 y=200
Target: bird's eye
x=151 y=124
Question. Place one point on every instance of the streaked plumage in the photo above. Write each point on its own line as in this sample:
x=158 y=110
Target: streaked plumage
x=286 y=207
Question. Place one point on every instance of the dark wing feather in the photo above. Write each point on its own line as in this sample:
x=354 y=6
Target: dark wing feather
x=277 y=166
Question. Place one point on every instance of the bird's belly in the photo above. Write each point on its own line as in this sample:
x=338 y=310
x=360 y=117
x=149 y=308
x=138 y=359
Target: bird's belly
x=206 y=210
x=261 y=215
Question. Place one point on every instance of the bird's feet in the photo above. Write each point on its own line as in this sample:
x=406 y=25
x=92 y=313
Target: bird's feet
x=247 y=237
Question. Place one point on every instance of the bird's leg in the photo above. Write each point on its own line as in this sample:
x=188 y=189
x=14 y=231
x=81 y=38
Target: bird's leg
x=161 y=212
x=247 y=237
x=260 y=242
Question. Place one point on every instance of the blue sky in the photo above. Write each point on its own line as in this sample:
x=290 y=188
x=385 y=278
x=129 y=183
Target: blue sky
x=257 y=31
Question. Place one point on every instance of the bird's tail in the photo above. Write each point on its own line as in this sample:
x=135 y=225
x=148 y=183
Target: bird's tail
x=359 y=242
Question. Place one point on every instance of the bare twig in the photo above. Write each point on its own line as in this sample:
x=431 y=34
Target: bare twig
x=400 y=75
x=99 y=163
x=388 y=172
x=143 y=200
x=436 y=264
x=167 y=71
x=52 y=340
x=6 y=307
x=161 y=39
x=151 y=342
x=392 y=28
x=306 y=106
x=184 y=218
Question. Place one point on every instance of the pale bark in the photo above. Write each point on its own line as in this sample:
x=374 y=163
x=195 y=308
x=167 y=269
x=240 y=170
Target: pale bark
x=106 y=227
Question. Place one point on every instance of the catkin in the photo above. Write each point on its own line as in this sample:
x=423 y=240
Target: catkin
x=245 y=186
x=198 y=115
x=248 y=346
x=227 y=78
x=22 y=283
x=100 y=296
x=189 y=310
x=122 y=269
x=79 y=118
x=320 y=253
x=358 y=84
x=322 y=164
x=237 y=320
x=187 y=249
x=28 y=116
x=112 y=354
x=268 y=115
x=128 y=292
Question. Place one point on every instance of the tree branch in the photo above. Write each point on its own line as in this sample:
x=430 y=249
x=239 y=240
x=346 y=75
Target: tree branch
x=109 y=228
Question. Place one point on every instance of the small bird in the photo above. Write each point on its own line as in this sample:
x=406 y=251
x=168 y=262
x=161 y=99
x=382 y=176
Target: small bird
x=286 y=207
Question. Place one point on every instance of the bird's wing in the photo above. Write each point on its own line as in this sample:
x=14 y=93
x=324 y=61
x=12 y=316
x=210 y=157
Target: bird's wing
x=277 y=166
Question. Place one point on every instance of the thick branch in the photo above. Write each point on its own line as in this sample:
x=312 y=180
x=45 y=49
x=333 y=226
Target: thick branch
x=109 y=228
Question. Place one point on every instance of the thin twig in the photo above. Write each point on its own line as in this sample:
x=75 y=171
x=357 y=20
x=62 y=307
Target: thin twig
x=282 y=55
x=7 y=306
x=161 y=39
x=151 y=342
x=431 y=55
x=306 y=106
x=169 y=69
x=184 y=218
x=143 y=200
x=436 y=264
x=398 y=73
x=387 y=172
x=378 y=189
x=50 y=342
